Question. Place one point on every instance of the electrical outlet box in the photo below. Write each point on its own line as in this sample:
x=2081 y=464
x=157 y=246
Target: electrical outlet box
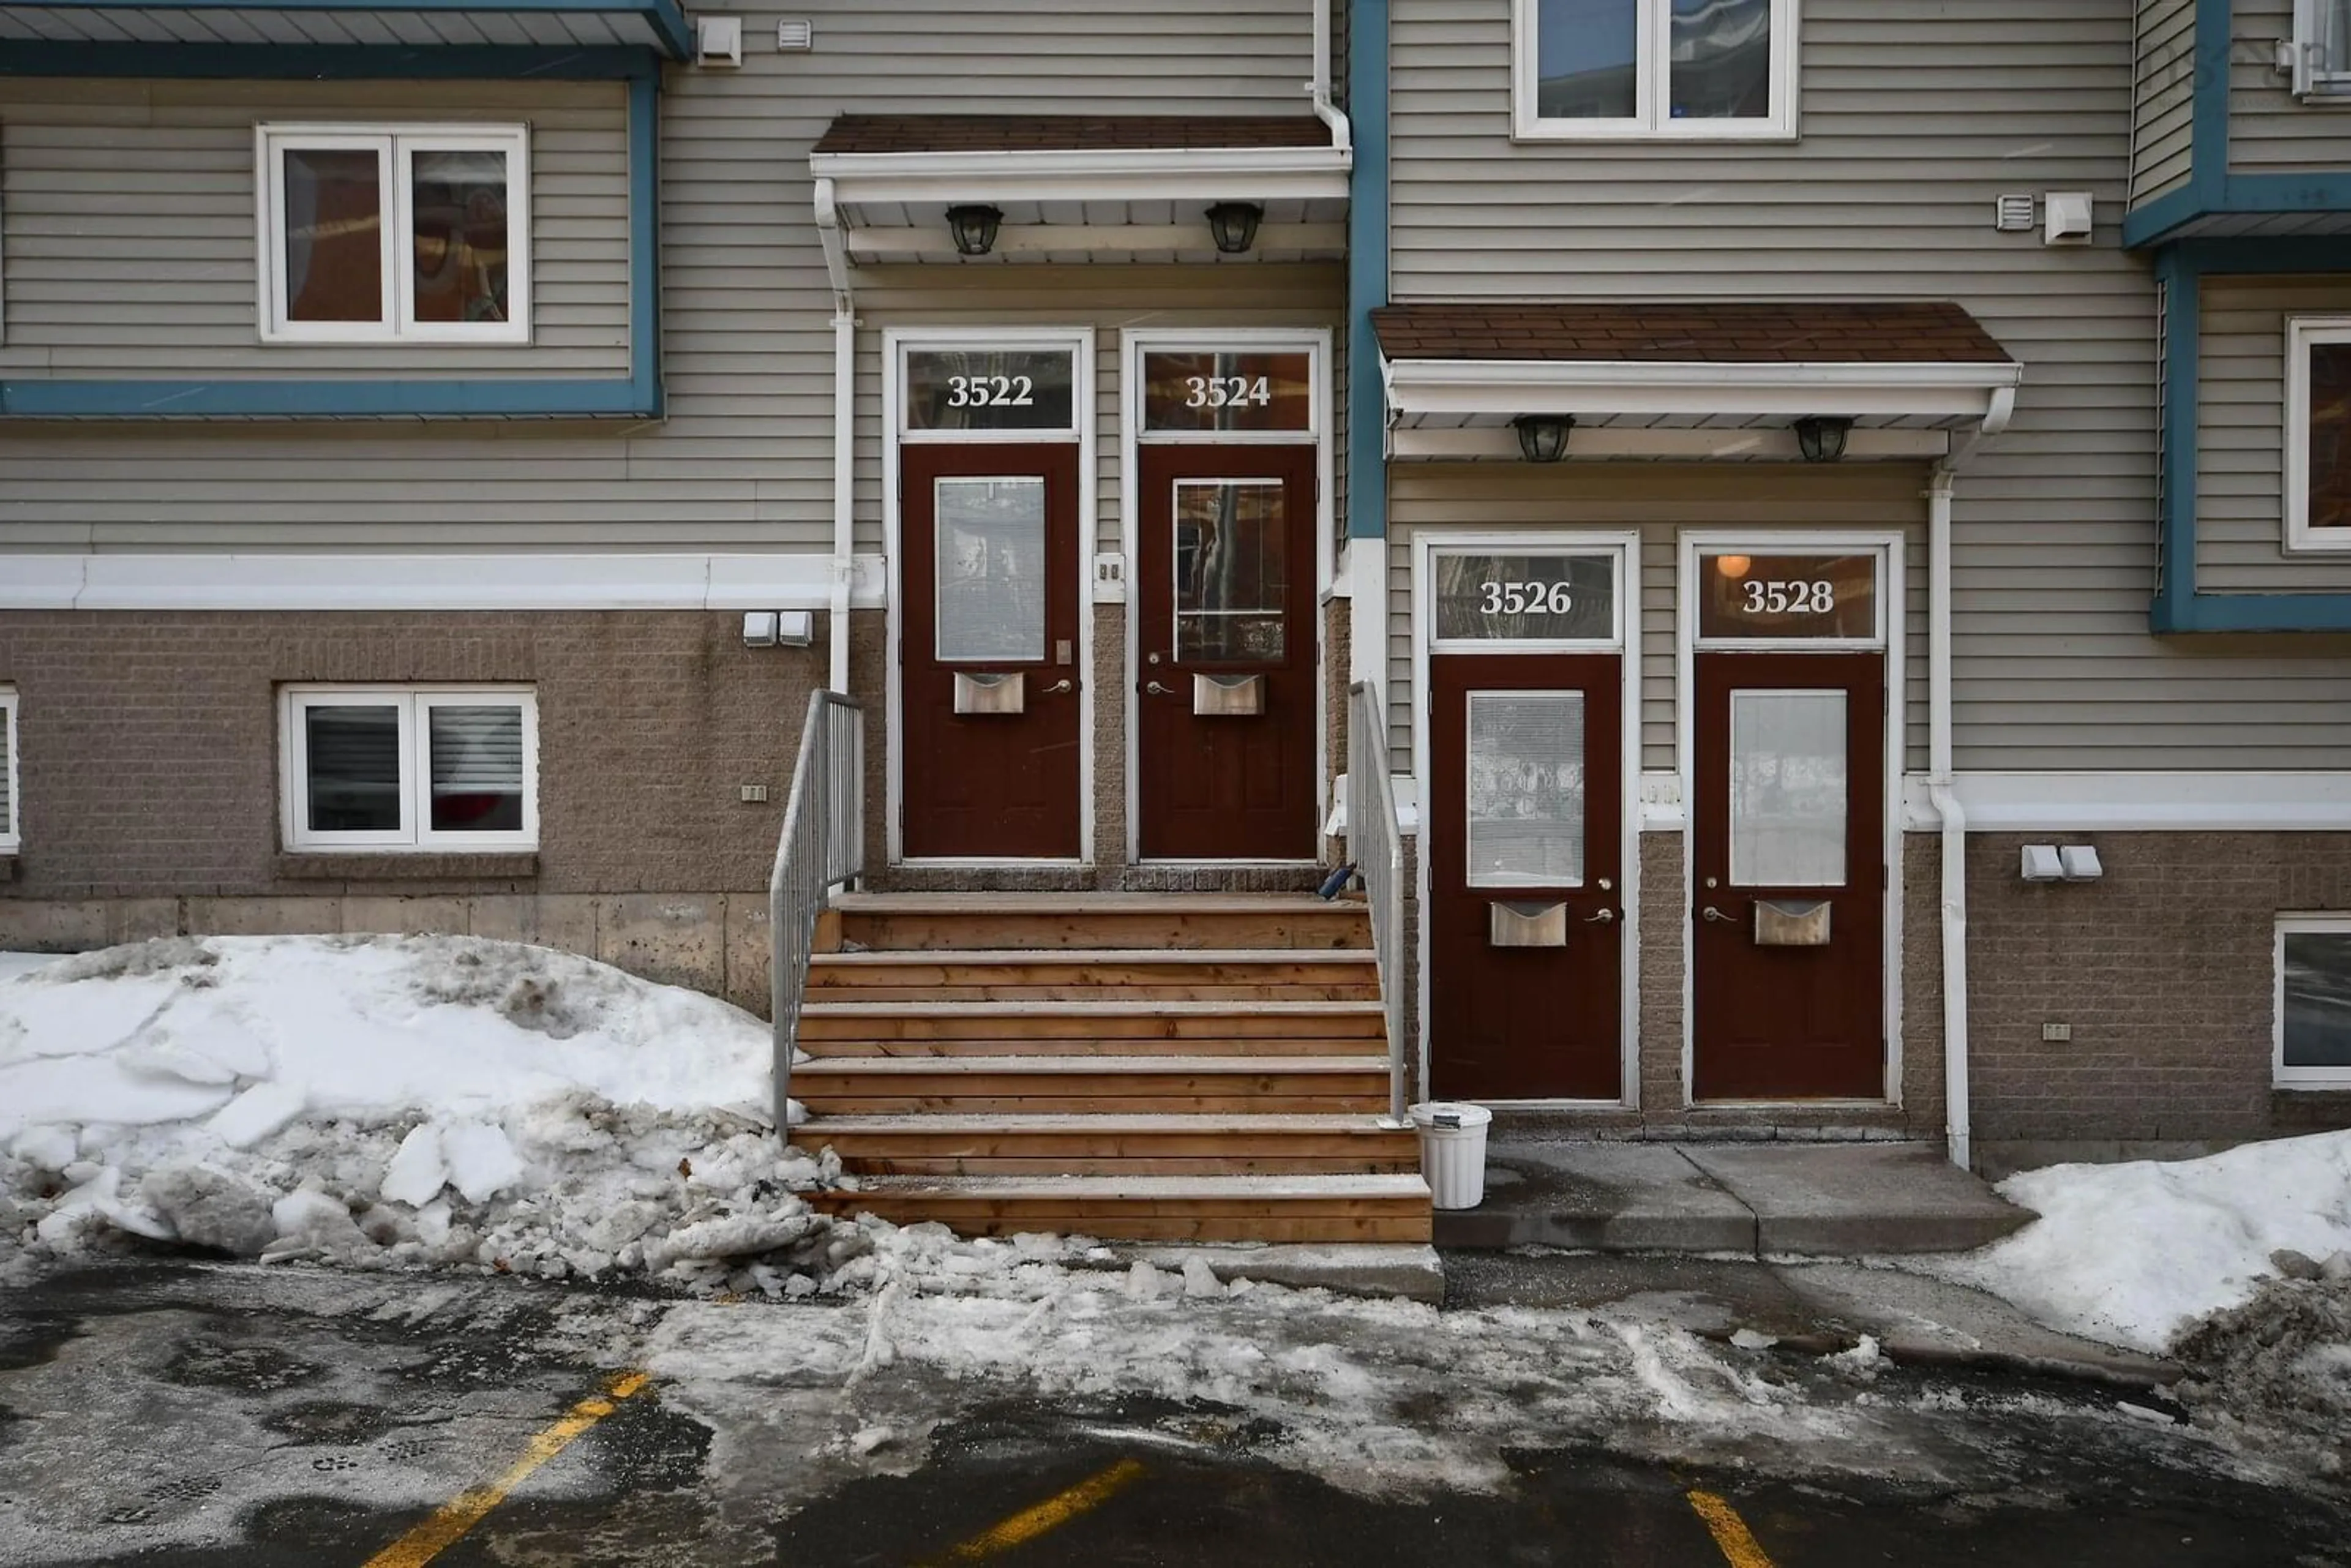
x=2057 y=1033
x=755 y=794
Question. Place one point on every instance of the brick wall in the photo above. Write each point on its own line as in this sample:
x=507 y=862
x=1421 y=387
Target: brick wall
x=2165 y=970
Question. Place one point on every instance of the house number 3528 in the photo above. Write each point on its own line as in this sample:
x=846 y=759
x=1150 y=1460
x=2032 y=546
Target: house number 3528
x=1788 y=598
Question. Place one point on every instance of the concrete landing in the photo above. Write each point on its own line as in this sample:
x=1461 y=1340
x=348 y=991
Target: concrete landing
x=1781 y=1199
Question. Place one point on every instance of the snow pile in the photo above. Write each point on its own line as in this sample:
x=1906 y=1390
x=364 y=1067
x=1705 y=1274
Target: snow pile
x=2136 y=1253
x=396 y=1101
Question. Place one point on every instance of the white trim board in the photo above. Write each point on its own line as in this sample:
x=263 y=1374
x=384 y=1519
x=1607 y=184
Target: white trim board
x=2314 y=801
x=164 y=580
x=1984 y=393
x=1211 y=175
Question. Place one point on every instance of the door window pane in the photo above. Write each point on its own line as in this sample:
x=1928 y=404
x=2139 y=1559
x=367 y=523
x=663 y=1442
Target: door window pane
x=334 y=235
x=2330 y=435
x=1526 y=597
x=991 y=389
x=1788 y=788
x=476 y=768
x=459 y=235
x=1232 y=570
x=1787 y=597
x=1187 y=391
x=1721 y=60
x=1587 y=55
x=354 y=767
x=991 y=569
x=2316 y=1026
x=1526 y=790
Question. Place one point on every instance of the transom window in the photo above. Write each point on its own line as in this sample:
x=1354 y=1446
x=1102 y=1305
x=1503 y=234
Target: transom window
x=2318 y=433
x=386 y=768
x=11 y=835
x=2314 y=1002
x=1700 y=69
x=373 y=234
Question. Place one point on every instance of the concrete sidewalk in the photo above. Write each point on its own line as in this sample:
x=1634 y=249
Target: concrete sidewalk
x=1764 y=1200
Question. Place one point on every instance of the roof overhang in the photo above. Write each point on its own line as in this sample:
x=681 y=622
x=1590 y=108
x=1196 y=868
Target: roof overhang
x=1461 y=408
x=658 y=27
x=1135 y=204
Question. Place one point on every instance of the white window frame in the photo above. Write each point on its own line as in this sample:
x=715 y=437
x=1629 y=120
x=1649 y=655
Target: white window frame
x=12 y=831
x=2312 y=79
x=1757 y=544
x=2282 y=1076
x=395 y=147
x=1651 y=121
x=1507 y=647
x=2301 y=334
x=414 y=703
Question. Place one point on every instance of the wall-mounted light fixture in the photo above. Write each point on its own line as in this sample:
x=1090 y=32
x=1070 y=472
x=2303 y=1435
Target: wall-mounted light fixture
x=1821 y=438
x=974 y=227
x=1542 y=437
x=1233 y=225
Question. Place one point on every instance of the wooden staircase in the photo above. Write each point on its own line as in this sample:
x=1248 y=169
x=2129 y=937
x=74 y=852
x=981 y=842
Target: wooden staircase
x=1147 y=1067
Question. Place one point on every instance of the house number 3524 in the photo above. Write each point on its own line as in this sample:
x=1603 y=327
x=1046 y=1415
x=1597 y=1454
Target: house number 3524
x=1788 y=598
x=1227 y=392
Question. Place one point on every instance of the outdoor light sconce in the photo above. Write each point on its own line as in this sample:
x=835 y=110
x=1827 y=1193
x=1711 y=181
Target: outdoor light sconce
x=1234 y=226
x=1542 y=437
x=974 y=228
x=1822 y=439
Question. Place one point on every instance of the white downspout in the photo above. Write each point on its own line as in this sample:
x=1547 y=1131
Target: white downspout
x=1318 y=85
x=844 y=431
x=1947 y=806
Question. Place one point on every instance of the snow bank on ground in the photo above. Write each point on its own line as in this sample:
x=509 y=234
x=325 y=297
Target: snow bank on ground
x=14 y=964
x=2136 y=1253
x=394 y=1101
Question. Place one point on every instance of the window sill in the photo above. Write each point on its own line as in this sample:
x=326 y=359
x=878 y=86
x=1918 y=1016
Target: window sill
x=1546 y=136
x=496 y=866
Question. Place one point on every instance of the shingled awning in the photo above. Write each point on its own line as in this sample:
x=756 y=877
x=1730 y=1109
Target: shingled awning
x=1713 y=379
x=1080 y=187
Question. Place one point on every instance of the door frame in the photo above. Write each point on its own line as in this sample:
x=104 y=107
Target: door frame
x=1625 y=546
x=895 y=343
x=1891 y=643
x=1133 y=341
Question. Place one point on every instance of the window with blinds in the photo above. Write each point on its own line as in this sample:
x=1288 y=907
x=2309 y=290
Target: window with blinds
x=409 y=769
x=10 y=837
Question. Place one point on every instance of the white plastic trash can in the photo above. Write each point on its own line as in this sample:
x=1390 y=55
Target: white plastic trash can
x=1453 y=1152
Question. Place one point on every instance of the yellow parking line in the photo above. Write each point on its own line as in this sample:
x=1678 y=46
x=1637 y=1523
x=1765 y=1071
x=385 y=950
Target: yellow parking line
x=1051 y=1514
x=1730 y=1533
x=462 y=1513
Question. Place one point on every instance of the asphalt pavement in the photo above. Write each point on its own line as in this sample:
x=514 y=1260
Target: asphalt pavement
x=171 y=1413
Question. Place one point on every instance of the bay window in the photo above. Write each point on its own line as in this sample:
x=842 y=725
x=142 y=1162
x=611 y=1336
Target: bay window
x=1619 y=69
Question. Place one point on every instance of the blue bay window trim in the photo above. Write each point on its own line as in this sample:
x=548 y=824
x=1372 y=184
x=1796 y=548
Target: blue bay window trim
x=665 y=19
x=1367 y=269
x=2181 y=268
x=330 y=62
x=2212 y=189
x=639 y=396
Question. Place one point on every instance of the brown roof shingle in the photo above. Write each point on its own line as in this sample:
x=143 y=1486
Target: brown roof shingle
x=1067 y=133
x=1923 y=331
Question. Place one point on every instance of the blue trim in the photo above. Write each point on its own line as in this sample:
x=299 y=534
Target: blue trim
x=336 y=62
x=2175 y=209
x=666 y=18
x=1367 y=269
x=639 y=396
x=2178 y=607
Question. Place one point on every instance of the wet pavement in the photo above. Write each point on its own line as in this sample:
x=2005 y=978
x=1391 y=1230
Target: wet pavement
x=176 y=1414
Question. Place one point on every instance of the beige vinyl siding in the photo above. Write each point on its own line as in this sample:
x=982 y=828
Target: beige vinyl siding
x=2240 y=436
x=1245 y=295
x=1916 y=114
x=127 y=229
x=2269 y=131
x=2164 y=98
x=1661 y=501
x=744 y=460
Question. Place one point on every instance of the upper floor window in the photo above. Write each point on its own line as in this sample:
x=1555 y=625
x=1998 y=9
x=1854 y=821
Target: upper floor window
x=2321 y=49
x=2318 y=433
x=1612 y=69
x=395 y=234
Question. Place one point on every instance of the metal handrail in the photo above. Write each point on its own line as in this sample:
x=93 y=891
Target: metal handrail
x=1375 y=844
x=821 y=846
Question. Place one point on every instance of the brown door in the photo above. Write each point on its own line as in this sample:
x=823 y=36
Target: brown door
x=1224 y=648
x=1787 y=934
x=989 y=675
x=1525 y=802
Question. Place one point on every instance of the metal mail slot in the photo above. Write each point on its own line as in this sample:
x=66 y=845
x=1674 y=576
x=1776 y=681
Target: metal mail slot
x=1227 y=697
x=1526 y=926
x=1786 y=923
x=991 y=693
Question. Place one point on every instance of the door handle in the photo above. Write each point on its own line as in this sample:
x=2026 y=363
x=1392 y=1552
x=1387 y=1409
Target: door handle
x=1058 y=687
x=1606 y=917
x=1711 y=912
x=1157 y=690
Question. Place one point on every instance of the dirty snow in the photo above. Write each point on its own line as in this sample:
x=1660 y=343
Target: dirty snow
x=393 y=1101
x=2136 y=1253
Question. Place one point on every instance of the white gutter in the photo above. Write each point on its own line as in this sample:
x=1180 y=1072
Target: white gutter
x=844 y=431
x=1956 y=1109
x=1318 y=85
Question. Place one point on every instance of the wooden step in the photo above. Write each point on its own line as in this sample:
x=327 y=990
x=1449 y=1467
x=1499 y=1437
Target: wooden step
x=829 y=1029
x=1112 y=1143
x=1088 y=974
x=1382 y=1208
x=895 y=1085
x=930 y=922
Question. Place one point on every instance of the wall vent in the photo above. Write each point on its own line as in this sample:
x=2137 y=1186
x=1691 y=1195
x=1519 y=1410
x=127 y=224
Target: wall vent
x=2013 y=214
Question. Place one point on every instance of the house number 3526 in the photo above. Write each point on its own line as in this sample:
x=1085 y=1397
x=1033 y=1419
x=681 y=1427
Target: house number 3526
x=1788 y=598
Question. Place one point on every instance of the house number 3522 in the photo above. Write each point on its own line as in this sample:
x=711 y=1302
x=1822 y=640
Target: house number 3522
x=991 y=391
x=1788 y=598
